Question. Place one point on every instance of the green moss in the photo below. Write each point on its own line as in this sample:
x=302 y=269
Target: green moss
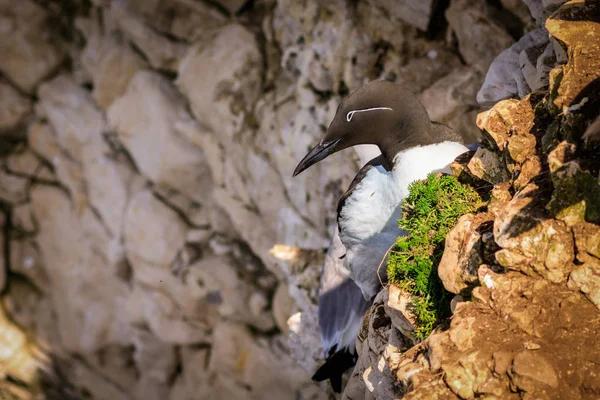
x=429 y=212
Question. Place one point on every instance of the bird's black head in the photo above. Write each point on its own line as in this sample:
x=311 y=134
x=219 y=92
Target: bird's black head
x=380 y=113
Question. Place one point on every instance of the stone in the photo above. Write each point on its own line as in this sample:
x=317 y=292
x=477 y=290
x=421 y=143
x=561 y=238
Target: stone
x=540 y=245
x=504 y=72
x=541 y=9
x=415 y=14
x=110 y=63
x=14 y=107
x=42 y=140
x=30 y=50
x=499 y=198
x=396 y=303
x=153 y=232
x=194 y=379
x=529 y=369
x=488 y=166
x=13 y=188
x=156 y=361
x=421 y=72
x=462 y=253
x=161 y=52
x=469 y=22
x=79 y=127
x=587 y=279
x=220 y=99
x=187 y=20
x=72 y=114
x=256 y=366
x=26 y=259
x=451 y=101
x=155 y=139
x=94 y=320
x=587 y=238
x=284 y=307
x=581 y=37
x=24 y=163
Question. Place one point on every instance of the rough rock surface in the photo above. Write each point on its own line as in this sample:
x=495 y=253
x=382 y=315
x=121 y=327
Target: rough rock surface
x=155 y=246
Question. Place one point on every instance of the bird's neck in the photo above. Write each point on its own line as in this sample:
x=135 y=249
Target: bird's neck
x=417 y=162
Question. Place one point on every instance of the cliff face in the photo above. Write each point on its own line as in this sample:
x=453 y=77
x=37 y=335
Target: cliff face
x=146 y=157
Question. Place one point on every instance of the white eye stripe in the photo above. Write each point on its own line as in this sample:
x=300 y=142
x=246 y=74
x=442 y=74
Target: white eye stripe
x=351 y=113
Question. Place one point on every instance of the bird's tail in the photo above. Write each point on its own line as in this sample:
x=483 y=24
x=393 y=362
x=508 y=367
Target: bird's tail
x=335 y=366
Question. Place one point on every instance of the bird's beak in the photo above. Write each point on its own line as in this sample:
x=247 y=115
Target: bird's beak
x=316 y=154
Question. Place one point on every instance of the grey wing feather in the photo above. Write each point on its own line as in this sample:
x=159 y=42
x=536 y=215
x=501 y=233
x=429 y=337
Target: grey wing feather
x=341 y=303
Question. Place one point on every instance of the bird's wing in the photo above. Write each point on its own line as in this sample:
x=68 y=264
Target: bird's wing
x=341 y=303
x=379 y=160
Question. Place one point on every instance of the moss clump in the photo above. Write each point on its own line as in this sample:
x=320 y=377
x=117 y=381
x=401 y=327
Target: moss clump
x=429 y=212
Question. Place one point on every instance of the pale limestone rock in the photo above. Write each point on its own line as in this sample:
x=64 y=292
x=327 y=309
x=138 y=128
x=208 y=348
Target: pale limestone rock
x=84 y=376
x=79 y=127
x=194 y=380
x=116 y=364
x=258 y=366
x=156 y=361
x=110 y=63
x=14 y=107
x=479 y=38
x=153 y=232
x=26 y=259
x=42 y=140
x=72 y=114
x=23 y=163
x=422 y=72
x=150 y=119
x=221 y=81
x=165 y=318
x=304 y=339
x=75 y=270
x=162 y=53
x=188 y=20
x=415 y=13
x=211 y=288
x=13 y=188
x=451 y=101
x=501 y=80
x=30 y=50
x=284 y=307
x=322 y=52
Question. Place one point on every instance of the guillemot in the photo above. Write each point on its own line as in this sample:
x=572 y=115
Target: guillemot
x=412 y=146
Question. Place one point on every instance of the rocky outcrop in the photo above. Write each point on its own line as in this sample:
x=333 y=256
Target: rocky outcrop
x=155 y=245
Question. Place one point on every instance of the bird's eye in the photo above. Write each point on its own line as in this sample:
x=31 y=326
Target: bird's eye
x=350 y=115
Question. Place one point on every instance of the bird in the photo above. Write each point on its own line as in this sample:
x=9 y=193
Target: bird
x=412 y=146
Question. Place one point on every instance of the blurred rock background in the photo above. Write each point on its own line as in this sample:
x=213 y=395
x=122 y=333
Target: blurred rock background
x=147 y=150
